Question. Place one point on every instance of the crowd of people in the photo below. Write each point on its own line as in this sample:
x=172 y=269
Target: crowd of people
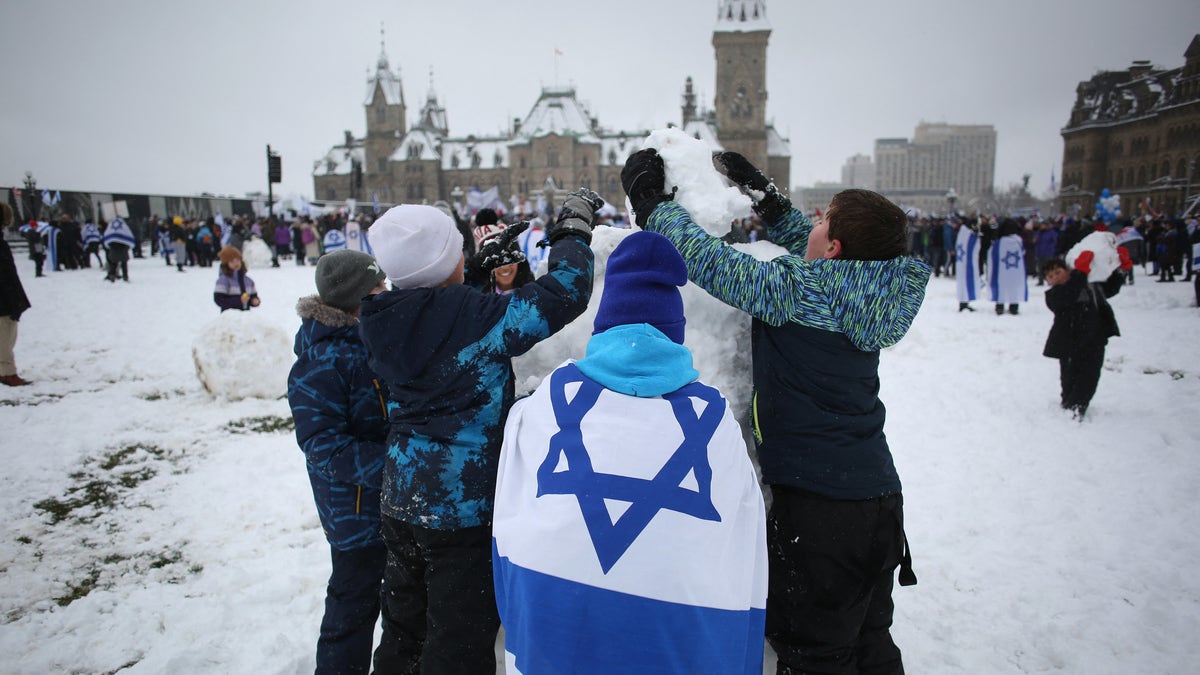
x=451 y=508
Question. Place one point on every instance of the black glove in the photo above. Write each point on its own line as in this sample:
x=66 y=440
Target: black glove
x=496 y=252
x=644 y=179
x=768 y=202
x=578 y=212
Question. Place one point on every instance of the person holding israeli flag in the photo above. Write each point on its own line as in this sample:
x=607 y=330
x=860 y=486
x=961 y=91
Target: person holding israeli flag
x=629 y=532
x=91 y=244
x=118 y=241
x=1007 y=280
x=335 y=240
x=966 y=250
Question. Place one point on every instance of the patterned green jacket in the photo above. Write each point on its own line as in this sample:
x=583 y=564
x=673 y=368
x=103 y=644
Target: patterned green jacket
x=817 y=331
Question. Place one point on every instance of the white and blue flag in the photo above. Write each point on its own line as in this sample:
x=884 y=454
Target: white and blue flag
x=335 y=240
x=966 y=253
x=90 y=234
x=1006 y=270
x=118 y=232
x=629 y=533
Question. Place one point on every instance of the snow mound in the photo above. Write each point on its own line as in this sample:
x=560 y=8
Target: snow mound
x=1104 y=245
x=718 y=335
x=256 y=254
x=704 y=192
x=240 y=355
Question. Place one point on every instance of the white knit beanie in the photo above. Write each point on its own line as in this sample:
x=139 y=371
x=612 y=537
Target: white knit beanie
x=417 y=246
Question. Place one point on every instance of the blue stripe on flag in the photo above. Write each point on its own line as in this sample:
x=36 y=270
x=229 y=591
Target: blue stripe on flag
x=566 y=627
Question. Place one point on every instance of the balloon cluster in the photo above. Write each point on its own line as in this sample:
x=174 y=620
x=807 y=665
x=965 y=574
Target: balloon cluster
x=1108 y=208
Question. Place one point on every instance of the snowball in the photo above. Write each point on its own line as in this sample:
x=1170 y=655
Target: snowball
x=240 y=355
x=256 y=254
x=1104 y=246
x=703 y=191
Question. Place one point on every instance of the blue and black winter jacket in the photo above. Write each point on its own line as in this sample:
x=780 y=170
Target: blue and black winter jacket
x=339 y=407
x=817 y=329
x=446 y=355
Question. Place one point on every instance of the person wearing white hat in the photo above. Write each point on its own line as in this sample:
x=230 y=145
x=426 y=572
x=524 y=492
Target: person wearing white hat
x=445 y=351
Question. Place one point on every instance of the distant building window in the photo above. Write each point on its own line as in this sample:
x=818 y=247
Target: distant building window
x=380 y=114
x=383 y=165
x=522 y=162
x=330 y=194
x=585 y=160
x=552 y=157
x=476 y=160
x=454 y=161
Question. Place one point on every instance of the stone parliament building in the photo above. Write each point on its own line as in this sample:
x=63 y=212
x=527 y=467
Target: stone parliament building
x=1135 y=132
x=559 y=141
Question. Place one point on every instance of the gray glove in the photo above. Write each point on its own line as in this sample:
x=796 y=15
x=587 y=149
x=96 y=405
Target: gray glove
x=578 y=212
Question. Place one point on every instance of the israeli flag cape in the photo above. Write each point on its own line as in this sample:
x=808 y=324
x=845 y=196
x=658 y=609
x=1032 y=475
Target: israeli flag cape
x=1006 y=270
x=356 y=239
x=966 y=251
x=1128 y=233
x=164 y=242
x=118 y=233
x=629 y=533
x=226 y=231
x=528 y=241
x=90 y=234
x=335 y=240
x=50 y=236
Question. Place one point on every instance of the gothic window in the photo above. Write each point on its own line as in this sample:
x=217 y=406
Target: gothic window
x=414 y=151
x=454 y=161
x=1181 y=169
x=476 y=160
x=497 y=160
x=522 y=161
x=380 y=114
x=382 y=164
x=552 y=157
x=612 y=156
x=1166 y=168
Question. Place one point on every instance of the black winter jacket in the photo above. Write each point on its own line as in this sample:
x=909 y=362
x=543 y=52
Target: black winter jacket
x=1083 y=318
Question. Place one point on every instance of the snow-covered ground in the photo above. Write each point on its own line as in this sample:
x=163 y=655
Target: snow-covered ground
x=154 y=529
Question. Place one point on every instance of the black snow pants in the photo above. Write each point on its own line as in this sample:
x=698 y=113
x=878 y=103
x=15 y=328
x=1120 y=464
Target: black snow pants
x=439 y=606
x=1080 y=375
x=829 y=599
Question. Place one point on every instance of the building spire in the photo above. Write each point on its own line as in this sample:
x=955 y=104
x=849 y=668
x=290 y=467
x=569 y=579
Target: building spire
x=383 y=61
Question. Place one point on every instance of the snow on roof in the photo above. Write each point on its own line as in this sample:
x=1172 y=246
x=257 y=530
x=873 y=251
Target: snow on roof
x=704 y=130
x=487 y=153
x=386 y=81
x=777 y=145
x=419 y=144
x=557 y=111
x=742 y=16
x=338 y=161
x=614 y=150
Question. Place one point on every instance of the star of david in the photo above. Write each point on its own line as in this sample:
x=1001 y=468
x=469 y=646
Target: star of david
x=961 y=251
x=1012 y=260
x=612 y=538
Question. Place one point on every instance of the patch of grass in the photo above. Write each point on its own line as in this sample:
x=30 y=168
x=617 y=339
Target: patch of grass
x=24 y=540
x=123 y=667
x=100 y=488
x=268 y=424
x=79 y=589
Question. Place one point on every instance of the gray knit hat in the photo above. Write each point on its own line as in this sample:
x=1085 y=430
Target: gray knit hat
x=345 y=276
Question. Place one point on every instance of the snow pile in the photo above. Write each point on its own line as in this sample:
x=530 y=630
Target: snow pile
x=256 y=254
x=717 y=334
x=705 y=193
x=241 y=355
x=1104 y=246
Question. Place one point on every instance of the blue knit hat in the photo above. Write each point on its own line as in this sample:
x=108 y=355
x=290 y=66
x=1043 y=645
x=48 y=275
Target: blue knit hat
x=642 y=284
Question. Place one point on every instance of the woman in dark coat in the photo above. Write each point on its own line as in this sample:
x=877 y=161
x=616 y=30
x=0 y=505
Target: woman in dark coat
x=13 y=302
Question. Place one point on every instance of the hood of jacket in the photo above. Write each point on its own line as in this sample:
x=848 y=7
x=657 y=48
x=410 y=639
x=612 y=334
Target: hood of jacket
x=321 y=322
x=638 y=360
x=423 y=320
x=873 y=302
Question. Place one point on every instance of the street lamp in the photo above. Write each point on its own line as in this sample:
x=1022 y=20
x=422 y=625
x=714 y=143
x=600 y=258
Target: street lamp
x=33 y=201
x=951 y=197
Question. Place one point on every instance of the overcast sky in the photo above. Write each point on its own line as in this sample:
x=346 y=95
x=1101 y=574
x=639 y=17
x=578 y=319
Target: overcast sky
x=152 y=96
